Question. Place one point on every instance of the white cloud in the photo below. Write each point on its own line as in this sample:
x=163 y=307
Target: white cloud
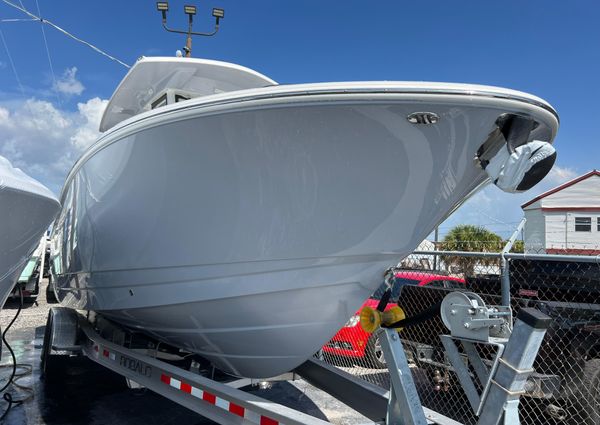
x=91 y=112
x=500 y=212
x=68 y=84
x=559 y=175
x=4 y=117
x=45 y=141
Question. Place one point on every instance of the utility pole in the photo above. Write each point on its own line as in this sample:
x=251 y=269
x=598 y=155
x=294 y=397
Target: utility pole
x=163 y=7
x=435 y=246
x=188 y=42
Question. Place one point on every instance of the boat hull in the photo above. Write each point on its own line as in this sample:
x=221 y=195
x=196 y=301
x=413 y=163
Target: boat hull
x=249 y=232
x=26 y=209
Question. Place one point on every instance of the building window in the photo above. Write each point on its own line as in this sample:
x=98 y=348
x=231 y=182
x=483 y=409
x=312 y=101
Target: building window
x=583 y=224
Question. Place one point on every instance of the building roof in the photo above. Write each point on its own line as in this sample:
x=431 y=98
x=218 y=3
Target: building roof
x=561 y=187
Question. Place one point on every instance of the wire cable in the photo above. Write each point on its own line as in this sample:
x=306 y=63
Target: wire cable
x=18 y=20
x=21 y=88
x=14 y=376
x=65 y=32
x=12 y=353
x=12 y=64
x=47 y=52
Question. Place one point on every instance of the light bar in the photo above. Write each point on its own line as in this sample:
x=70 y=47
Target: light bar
x=218 y=13
x=162 y=6
x=190 y=10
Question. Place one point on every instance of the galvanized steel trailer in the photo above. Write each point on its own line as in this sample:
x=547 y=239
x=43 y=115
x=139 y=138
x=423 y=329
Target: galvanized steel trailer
x=71 y=333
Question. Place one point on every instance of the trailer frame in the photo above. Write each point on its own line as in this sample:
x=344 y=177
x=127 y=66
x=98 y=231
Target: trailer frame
x=72 y=333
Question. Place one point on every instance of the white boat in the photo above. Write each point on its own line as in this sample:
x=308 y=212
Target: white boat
x=26 y=209
x=247 y=221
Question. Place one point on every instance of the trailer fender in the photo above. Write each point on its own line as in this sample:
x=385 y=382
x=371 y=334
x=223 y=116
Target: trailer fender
x=62 y=331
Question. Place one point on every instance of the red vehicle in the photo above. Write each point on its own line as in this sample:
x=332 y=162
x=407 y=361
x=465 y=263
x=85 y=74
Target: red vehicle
x=353 y=342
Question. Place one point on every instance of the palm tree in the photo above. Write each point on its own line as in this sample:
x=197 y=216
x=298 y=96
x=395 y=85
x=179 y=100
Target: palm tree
x=466 y=237
x=518 y=247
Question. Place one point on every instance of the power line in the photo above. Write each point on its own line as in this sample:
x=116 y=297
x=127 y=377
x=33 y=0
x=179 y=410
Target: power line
x=12 y=64
x=65 y=32
x=14 y=69
x=509 y=224
x=18 y=20
x=47 y=52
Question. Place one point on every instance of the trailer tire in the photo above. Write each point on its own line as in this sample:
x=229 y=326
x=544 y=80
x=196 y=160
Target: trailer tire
x=50 y=364
x=50 y=295
x=45 y=357
x=591 y=385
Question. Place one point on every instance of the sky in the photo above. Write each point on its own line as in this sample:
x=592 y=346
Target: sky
x=53 y=89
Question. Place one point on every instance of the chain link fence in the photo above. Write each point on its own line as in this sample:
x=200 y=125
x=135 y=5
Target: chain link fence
x=565 y=388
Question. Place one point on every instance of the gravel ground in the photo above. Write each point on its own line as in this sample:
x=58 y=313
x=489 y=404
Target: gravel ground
x=32 y=315
x=108 y=401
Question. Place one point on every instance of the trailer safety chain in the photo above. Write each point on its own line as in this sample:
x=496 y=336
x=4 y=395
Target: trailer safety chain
x=388 y=279
x=394 y=318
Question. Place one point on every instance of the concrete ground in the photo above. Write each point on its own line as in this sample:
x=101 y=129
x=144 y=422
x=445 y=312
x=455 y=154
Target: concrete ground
x=91 y=394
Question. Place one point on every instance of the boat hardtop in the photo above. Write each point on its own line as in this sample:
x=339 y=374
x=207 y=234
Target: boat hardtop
x=158 y=81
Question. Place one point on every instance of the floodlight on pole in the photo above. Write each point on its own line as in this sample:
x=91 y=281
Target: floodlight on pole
x=163 y=7
x=189 y=10
x=218 y=14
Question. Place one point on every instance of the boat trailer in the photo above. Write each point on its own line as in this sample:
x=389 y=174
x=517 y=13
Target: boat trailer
x=469 y=320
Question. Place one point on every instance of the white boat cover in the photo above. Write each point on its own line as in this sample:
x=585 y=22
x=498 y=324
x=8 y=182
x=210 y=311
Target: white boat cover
x=509 y=170
x=150 y=76
x=15 y=179
x=26 y=209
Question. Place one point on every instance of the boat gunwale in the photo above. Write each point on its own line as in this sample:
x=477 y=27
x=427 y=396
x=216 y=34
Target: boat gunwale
x=241 y=97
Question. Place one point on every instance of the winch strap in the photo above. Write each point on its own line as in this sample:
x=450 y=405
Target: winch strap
x=420 y=317
x=385 y=299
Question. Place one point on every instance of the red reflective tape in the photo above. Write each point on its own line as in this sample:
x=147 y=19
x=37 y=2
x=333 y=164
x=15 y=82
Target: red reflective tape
x=186 y=388
x=105 y=353
x=237 y=410
x=166 y=379
x=267 y=421
x=211 y=398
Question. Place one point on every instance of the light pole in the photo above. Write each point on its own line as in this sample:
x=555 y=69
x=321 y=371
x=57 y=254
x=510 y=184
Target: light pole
x=163 y=7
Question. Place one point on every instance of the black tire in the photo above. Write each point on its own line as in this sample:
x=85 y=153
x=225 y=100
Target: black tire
x=374 y=354
x=591 y=385
x=50 y=295
x=46 y=357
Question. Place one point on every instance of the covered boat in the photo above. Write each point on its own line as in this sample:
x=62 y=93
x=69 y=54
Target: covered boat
x=246 y=221
x=26 y=209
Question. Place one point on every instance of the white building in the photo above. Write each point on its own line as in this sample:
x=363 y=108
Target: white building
x=417 y=261
x=566 y=219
